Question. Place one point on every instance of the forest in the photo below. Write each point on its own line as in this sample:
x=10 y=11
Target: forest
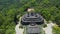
x=10 y=9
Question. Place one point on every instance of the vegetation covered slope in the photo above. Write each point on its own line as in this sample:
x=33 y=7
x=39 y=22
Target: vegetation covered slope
x=9 y=9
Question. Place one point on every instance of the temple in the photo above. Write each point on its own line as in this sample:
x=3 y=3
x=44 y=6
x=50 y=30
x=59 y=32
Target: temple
x=32 y=22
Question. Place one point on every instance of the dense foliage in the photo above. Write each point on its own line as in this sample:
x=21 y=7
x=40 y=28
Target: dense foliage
x=56 y=30
x=9 y=9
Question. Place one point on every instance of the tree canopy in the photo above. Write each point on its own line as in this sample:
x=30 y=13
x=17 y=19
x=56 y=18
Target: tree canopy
x=9 y=9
